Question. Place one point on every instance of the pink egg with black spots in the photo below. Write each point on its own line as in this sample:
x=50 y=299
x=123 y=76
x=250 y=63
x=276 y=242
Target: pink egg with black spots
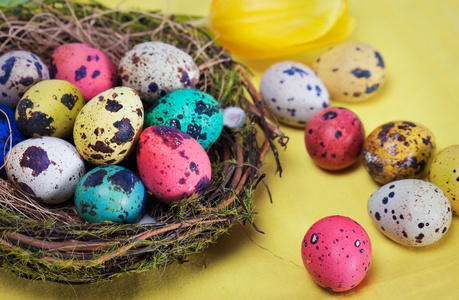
x=334 y=138
x=336 y=252
x=89 y=68
x=172 y=165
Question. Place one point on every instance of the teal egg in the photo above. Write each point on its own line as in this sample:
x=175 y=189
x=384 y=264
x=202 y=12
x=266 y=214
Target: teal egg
x=191 y=111
x=110 y=193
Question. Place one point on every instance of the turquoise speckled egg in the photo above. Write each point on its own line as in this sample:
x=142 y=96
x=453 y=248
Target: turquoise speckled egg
x=110 y=193
x=191 y=111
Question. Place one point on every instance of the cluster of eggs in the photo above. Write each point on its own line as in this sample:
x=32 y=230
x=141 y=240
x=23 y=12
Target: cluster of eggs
x=67 y=130
x=396 y=154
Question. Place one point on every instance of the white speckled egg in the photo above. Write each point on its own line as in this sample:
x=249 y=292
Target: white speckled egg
x=293 y=92
x=47 y=169
x=155 y=69
x=351 y=71
x=412 y=212
x=19 y=70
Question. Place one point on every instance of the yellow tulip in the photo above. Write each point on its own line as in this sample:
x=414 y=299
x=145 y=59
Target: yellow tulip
x=273 y=28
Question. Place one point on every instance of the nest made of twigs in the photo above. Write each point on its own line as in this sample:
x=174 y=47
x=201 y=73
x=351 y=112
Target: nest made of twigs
x=51 y=242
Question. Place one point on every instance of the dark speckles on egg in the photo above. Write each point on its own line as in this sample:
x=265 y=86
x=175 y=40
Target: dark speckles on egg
x=359 y=73
x=125 y=132
x=101 y=147
x=175 y=123
x=380 y=59
x=69 y=100
x=95 y=74
x=202 y=185
x=80 y=73
x=6 y=68
x=153 y=87
x=36 y=159
x=113 y=105
x=329 y=115
x=95 y=179
x=171 y=137
x=124 y=180
x=26 y=81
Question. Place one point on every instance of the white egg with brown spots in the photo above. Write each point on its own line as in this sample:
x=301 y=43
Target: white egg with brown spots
x=351 y=71
x=108 y=127
x=155 y=69
x=412 y=212
x=46 y=169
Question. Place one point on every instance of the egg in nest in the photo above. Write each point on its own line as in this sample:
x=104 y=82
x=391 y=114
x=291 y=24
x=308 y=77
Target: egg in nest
x=49 y=108
x=87 y=67
x=155 y=69
x=19 y=70
x=107 y=128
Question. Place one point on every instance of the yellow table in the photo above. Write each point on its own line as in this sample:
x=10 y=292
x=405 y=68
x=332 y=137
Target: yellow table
x=419 y=40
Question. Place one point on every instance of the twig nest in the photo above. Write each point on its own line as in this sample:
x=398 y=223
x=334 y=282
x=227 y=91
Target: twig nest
x=61 y=246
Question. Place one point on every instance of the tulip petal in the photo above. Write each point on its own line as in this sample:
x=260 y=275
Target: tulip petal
x=272 y=28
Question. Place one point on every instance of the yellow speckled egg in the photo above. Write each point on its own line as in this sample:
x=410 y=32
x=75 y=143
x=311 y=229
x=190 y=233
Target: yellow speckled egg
x=351 y=71
x=444 y=173
x=108 y=127
x=398 y=150
x=49 y=108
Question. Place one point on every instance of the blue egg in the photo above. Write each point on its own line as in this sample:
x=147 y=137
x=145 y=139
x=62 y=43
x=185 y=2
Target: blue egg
x=191 y=111
x=7 y=114
x=110 y=193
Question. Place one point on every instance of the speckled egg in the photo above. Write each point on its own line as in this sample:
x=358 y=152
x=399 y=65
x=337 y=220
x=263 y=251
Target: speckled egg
x=412 y=212
x=336 y=252
x=334 y=138
x=49 y=108
x=444 y=173
x=10 y=134
x=45 y=168
x=293 y=92
x=194 y=112
x=155 y=69
x=398 y=150
x=19 y=70
x=87 y=67
x=110 y=193
x=108 y=127
x=351 y=71
x=172 y=165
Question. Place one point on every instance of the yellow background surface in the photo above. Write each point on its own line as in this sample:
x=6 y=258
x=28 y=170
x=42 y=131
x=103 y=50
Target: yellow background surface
x=419 y=41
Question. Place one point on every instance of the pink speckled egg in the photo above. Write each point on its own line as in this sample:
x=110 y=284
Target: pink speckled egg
x=336 y=252
x=172 y=165
x=334 y=138
x=90 y=69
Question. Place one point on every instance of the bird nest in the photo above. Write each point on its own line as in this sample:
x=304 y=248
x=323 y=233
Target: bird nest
x=51 y=242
